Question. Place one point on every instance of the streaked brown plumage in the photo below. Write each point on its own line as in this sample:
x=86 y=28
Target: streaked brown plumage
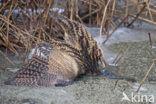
x=61 y=61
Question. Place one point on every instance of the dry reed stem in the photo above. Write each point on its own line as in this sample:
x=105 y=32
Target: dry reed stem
x=72 y=9
x=18 y=29
x=7 y=58
x=103 y=20
x=93 y=12
x=148 y=8
x=8 y=28
x=121 y=66
x=137 y=15
x=146 y=75
x=90 y=12
x=150 y=40
x=126 y=10
x=117 y=58
x=123 y=20
x=110 y=18
x=5 y=5
x=152 y=11
x=145 y=20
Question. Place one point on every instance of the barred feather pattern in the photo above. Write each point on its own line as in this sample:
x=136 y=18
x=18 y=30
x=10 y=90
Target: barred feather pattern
x=58 y=62
x=80 y=38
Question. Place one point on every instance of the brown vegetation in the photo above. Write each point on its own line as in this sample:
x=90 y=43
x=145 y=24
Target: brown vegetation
x=23 y=22
x=24 y=19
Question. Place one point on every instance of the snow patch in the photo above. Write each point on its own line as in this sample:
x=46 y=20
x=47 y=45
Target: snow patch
x=38 y=53
x=153 y=47
x=16 y=11
x=13 y=70
x=135 y=87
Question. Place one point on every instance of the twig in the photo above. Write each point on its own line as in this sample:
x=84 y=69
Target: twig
x=146 y=75
x=145 y=20
x=150 y=40
x=115 y=29
x=7 y=58
x=121 y=66
x=119 y=54
x=5 y=5
x=137 y=15
x=103 y=20
x=90 y=10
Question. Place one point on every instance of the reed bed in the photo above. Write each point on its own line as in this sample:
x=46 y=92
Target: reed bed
x=24 y=22
x=20 y=20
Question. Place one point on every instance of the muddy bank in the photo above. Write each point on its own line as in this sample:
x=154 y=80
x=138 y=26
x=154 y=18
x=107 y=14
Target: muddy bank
x=88 y=90
x=138 y=59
